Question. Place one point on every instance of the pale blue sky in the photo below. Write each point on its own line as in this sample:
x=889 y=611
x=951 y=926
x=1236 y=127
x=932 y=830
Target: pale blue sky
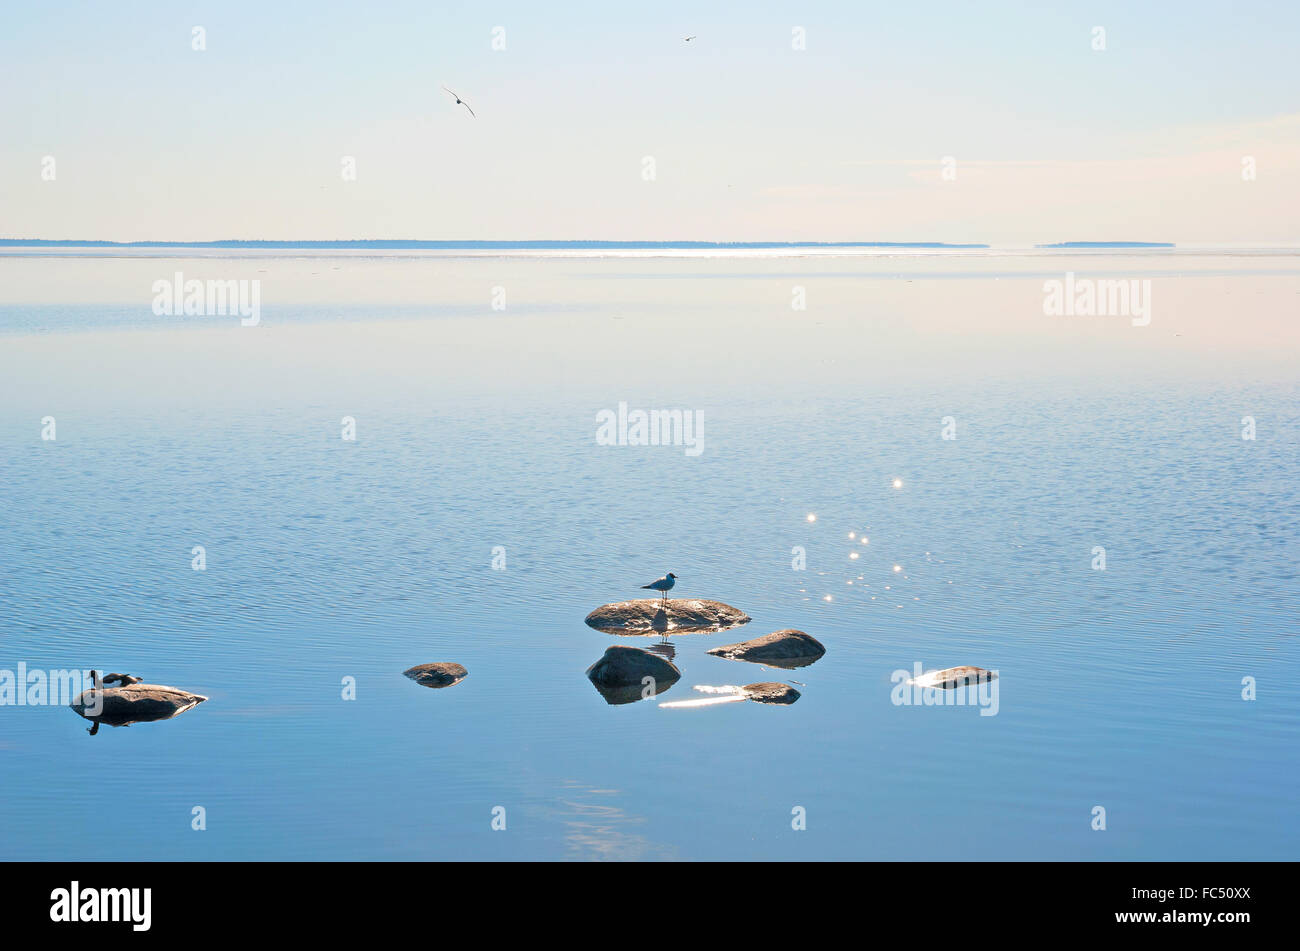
x=752 y=140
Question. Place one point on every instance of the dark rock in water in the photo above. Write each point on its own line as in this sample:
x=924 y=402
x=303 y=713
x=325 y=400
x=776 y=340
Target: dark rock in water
x=436 y=675
x=954 y=677
x=771 y=693
x=676 y=616
x=134 y=703
x=629 y=667
x=787 y=649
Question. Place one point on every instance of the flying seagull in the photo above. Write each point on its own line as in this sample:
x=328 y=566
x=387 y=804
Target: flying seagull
x=460 y=101
x=689 y=38
x=663 y=585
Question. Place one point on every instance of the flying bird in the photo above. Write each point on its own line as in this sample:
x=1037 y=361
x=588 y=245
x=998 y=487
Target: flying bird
x=689 y=38
x=663 y=585
x=460 y=101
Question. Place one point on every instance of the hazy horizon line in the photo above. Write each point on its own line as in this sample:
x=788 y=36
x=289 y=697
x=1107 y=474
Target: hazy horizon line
x=537 y=244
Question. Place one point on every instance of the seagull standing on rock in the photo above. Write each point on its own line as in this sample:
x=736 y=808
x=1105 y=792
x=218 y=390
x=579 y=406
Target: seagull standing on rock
x=663 y=585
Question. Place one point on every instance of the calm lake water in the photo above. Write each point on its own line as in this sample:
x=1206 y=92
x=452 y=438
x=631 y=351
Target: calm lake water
x=329 y=559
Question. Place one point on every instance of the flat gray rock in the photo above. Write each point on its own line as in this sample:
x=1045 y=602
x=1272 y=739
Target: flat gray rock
x=771 y=693
x=786 y=649
x=441 y=674
x=134 y=703
x=676 y=616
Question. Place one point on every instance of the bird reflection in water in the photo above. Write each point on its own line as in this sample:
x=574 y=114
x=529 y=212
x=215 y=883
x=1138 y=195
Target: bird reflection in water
x=664 y=649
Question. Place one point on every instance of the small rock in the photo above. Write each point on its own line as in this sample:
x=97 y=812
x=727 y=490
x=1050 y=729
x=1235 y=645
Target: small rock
x=677 y=615
x=787 y=649
x=954 y=677
x=436 y=675
x=771 y=693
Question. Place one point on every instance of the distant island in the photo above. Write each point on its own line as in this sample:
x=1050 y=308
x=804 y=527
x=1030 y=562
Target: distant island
x=400 y=245
x=1108 y=244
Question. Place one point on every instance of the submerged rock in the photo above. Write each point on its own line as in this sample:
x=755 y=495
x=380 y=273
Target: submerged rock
x=629 y=666
x=954 y=677
x=787 y=649
x=771 y=693
x=760 y=693
x=677 y=615
x=133 y=703
x=440 y=674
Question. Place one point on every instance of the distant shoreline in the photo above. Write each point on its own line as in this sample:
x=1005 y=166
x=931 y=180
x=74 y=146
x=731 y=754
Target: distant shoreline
x=1108 y=244
x=542 y=249
x=413 y=245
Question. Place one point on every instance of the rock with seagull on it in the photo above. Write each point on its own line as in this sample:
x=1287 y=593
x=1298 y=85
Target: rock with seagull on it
x=671 y=616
